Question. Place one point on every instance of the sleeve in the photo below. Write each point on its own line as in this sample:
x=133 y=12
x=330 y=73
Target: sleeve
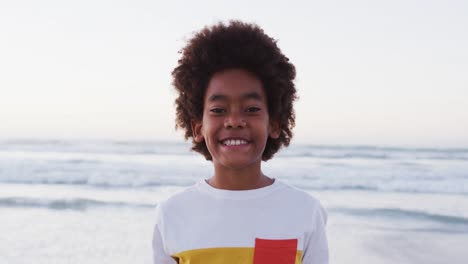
x=159 y=254
x=316 y=245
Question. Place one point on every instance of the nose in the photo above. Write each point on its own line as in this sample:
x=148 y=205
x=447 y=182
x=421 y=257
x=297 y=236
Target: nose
x=234 y=121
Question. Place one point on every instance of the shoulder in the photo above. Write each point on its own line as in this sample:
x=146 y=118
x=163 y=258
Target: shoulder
x=303 y=200
x=293 y=193
x=179 y=199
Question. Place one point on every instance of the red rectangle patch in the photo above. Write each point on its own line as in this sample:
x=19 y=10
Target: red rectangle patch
x=275 y=251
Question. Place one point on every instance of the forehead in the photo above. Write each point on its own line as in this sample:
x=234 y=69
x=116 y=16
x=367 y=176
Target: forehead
x=234 y=84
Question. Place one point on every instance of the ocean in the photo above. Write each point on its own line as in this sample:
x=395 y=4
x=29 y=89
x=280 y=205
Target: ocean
x=93 y=201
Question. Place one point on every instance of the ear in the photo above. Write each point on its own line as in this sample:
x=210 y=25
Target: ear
x=197 y=130
x=274 y=129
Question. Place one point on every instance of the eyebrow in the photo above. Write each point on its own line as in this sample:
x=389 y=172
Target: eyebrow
x=220 y=97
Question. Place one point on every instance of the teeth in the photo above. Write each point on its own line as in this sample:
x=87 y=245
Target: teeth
x=234 y=142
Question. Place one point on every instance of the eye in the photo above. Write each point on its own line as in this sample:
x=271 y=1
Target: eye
x=217 y=110
x=252 y=109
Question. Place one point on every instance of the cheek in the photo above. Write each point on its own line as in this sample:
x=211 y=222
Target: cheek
x=207 y=130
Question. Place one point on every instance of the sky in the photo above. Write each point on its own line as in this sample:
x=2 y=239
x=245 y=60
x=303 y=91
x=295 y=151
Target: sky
x=368 y=72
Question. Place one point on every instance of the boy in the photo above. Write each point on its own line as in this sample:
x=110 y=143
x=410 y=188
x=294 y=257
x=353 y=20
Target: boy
x=235 y=101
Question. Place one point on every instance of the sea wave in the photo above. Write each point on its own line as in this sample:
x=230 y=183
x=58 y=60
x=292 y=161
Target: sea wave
x=428 y=221
x=335 y=168
x=66 y=204
x=147 y=182
x=375 y=153
x=84 y=147
x=458 y=222
x=103 y=184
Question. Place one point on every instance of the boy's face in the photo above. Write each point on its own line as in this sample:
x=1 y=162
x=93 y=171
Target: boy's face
x=235 y=124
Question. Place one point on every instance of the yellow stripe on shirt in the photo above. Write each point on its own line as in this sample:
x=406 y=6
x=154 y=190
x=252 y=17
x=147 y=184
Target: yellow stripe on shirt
x=234 y=255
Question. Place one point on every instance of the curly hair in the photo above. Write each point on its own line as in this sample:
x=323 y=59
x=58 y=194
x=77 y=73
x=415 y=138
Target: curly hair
x=227 y=46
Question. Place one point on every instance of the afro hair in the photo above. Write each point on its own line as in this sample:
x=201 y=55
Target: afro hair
x=228 y=46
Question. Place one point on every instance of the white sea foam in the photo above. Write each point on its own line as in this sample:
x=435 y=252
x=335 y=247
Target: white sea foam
x=118 y=165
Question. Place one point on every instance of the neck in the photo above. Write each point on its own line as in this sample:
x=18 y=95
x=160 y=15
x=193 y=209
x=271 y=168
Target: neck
x=239 y=179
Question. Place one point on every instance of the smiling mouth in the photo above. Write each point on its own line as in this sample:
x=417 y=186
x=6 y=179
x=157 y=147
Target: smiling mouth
x=234 y=142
